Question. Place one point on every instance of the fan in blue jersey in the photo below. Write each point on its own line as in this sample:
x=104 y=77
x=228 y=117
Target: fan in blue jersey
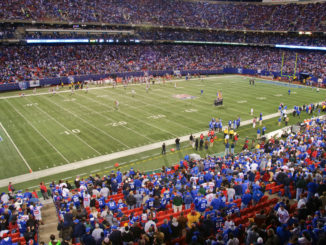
x=112 y=205
x=219 y=222
x=163 y=202
x=210 y=213
x=121 y=204
x=76 y=200
x=137 y=183
x=187 y=199
x=245 y=199
x=202 y=205
x=257 y=195
x=150 y=202
x=101 y=202
x=132 y=185
x=201 y=178
x=142 y=190
x=22 y=226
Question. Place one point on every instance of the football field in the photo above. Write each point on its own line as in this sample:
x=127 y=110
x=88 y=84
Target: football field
x=41 y=131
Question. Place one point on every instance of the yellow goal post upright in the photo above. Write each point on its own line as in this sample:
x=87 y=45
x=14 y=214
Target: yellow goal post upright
x=293 y=76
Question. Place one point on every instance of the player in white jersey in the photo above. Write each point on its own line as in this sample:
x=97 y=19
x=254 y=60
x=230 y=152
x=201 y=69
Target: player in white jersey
x=34 y=91
x=86 y=200
x=86 y=91
x=133 y=93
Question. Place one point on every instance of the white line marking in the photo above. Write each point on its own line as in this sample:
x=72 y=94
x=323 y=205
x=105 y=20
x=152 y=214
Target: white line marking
x=63 y=126
x=95 y=170
x=75 y=115
x=20 y=154
x=81 y=174
x=38 y=132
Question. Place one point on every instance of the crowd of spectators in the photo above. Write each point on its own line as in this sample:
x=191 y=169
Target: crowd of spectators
x=22 y=63
x=214 y=200
x=286 y=17
x=20 y=217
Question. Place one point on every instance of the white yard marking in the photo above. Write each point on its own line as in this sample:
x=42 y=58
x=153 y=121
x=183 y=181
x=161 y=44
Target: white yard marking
x=241 y=101
x=191 y=110
x=116 y=124
x=69 y=100
x=156 y=116
x=278 y=95
x=75 y=115
x=144 y=122
x=67 y=131
x=28 y=122
x=13 y=143
x=261 y=98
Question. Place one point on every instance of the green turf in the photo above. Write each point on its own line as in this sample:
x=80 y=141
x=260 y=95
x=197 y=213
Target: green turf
x=54 y=130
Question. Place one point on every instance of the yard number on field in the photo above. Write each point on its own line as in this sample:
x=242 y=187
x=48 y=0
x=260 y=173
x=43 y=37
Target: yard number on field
x=116 y=124
x=31 y=104
x=156 y=116
x=73 y=131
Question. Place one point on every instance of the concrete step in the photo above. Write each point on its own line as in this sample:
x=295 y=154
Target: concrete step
x=50 y=222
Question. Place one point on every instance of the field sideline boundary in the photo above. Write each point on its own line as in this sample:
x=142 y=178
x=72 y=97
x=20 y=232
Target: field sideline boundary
x=110 y=86
x=108 y=157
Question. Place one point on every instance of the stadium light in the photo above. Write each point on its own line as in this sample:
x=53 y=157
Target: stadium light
x=38 y=41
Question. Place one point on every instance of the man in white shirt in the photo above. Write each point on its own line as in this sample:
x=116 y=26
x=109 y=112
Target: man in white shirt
x=150 y=223
x=283 y=215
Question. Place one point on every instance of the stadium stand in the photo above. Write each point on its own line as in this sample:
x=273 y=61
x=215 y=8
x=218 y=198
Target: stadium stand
x=215 y=200
x=20 y=217
x=281 y=17
x=21 y=63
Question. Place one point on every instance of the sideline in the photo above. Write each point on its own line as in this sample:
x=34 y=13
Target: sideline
x=20 y=154
x=110 y=86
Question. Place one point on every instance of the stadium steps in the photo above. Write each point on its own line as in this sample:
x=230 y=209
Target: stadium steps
x=50 y=220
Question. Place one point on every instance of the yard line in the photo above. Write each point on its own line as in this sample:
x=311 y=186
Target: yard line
x=159 y=109
x=28 y=122
x=134 y=131
x=95 y=170
x=67 y=129
x=19 y=153
x=117 y=140
x=105 y=158
x=145 y=122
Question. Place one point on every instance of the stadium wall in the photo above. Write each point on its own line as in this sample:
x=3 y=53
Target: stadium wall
x=66 y=80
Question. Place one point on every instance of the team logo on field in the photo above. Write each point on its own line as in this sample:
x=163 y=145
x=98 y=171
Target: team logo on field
x=184 y=96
